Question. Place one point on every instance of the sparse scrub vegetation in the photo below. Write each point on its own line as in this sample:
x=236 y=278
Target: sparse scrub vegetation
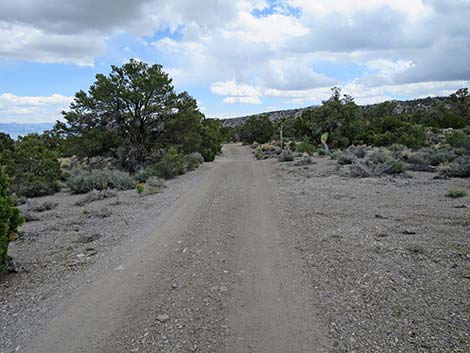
x=41 y=207
x=380 y=162
x=455 y=193
x=286 y=156
x=83 y=181
x=305 y=147
x=96 y=195
x=459 y=168
x=345 y=158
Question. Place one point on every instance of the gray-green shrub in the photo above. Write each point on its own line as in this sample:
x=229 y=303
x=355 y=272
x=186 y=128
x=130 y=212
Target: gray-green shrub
x=345 y=158
x=194 y=160
x=286 y=156
x=83 y=181
x=95 y=195
x=459 y=168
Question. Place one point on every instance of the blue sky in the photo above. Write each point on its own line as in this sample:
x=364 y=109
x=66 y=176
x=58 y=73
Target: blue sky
x=235 y=57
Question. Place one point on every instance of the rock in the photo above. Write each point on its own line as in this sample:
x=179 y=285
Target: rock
x=119 y=268
x=163 y=318
x=408 y=232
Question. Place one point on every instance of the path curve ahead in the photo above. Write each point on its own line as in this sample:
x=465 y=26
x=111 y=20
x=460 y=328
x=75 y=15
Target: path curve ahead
x=215 y=275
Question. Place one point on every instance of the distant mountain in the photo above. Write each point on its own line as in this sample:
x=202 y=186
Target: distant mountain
x=15 y=129
x=410 y=106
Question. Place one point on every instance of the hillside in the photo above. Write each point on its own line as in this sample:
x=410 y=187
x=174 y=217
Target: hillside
x=409 y=106
x=15 y=129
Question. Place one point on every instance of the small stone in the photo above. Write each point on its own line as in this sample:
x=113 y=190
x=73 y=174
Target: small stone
x=119 y=268
x=163 y=318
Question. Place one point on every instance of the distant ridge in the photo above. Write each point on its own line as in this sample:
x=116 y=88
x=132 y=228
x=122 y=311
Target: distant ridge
x=409 y=106
x=15 y=129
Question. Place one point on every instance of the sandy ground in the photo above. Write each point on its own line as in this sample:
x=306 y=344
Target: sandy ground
x=247 y=256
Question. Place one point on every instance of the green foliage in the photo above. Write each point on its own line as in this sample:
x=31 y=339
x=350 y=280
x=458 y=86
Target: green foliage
x=10 y=220
x=258 y=154
x=6 y=142
x=306 y=147
x=83 y=181
x=32 y=166
x=132 y=112
x=455 y=194
x=171 y=165
x=459 y=139
x=140 y=187
x=257 y=128
x=337 y=117
x=211 y=139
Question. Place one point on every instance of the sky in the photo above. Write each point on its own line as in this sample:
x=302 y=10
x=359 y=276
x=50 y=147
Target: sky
x=236 y=57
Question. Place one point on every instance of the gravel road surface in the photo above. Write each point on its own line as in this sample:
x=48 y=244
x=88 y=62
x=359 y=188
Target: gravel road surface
x=213 y=275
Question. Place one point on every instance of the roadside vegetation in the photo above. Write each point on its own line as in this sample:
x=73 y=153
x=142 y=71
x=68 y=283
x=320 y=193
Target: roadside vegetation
x=129 y=130
x=383 y=139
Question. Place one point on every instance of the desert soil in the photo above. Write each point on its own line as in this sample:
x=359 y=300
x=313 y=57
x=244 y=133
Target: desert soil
x=247 y=256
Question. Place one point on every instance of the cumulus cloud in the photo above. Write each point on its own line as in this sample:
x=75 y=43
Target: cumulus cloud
x=27 y=109
x=245 y=50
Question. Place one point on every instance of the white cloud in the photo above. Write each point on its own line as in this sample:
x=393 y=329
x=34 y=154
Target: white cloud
x=242 y=100
x=26 y=109
x=409 y=46
x=237 y=94
x=231 y=88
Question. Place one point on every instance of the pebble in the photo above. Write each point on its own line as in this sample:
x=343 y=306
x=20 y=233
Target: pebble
x=163 y=318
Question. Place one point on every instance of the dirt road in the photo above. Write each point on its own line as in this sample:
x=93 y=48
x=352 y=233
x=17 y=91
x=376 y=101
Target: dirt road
x=214 y=275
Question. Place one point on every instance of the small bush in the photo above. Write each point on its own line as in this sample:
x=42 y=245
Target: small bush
x=459 y=139
x=380 y=156
x=345 y=158
x=41 y=207
x=444 y=156
x=459 y=168
x=154 y=185
x=171 y=165
x=422 y=158
x=286 y=156
x=95 y=195
x=258 y=154
x=268 y=147
x=357 y=151
x=81 y=181
x=10 y=220
x=455 y=194
x=194 y=160
x=305 y=147
x=140 y=188
x=379 y=162
x=362 y=170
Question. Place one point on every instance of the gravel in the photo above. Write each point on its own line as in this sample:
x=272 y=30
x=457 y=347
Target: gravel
x=389 y=257
x=66 y=245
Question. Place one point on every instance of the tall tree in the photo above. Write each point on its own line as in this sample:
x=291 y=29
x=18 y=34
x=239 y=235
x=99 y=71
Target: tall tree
x=125 y=111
